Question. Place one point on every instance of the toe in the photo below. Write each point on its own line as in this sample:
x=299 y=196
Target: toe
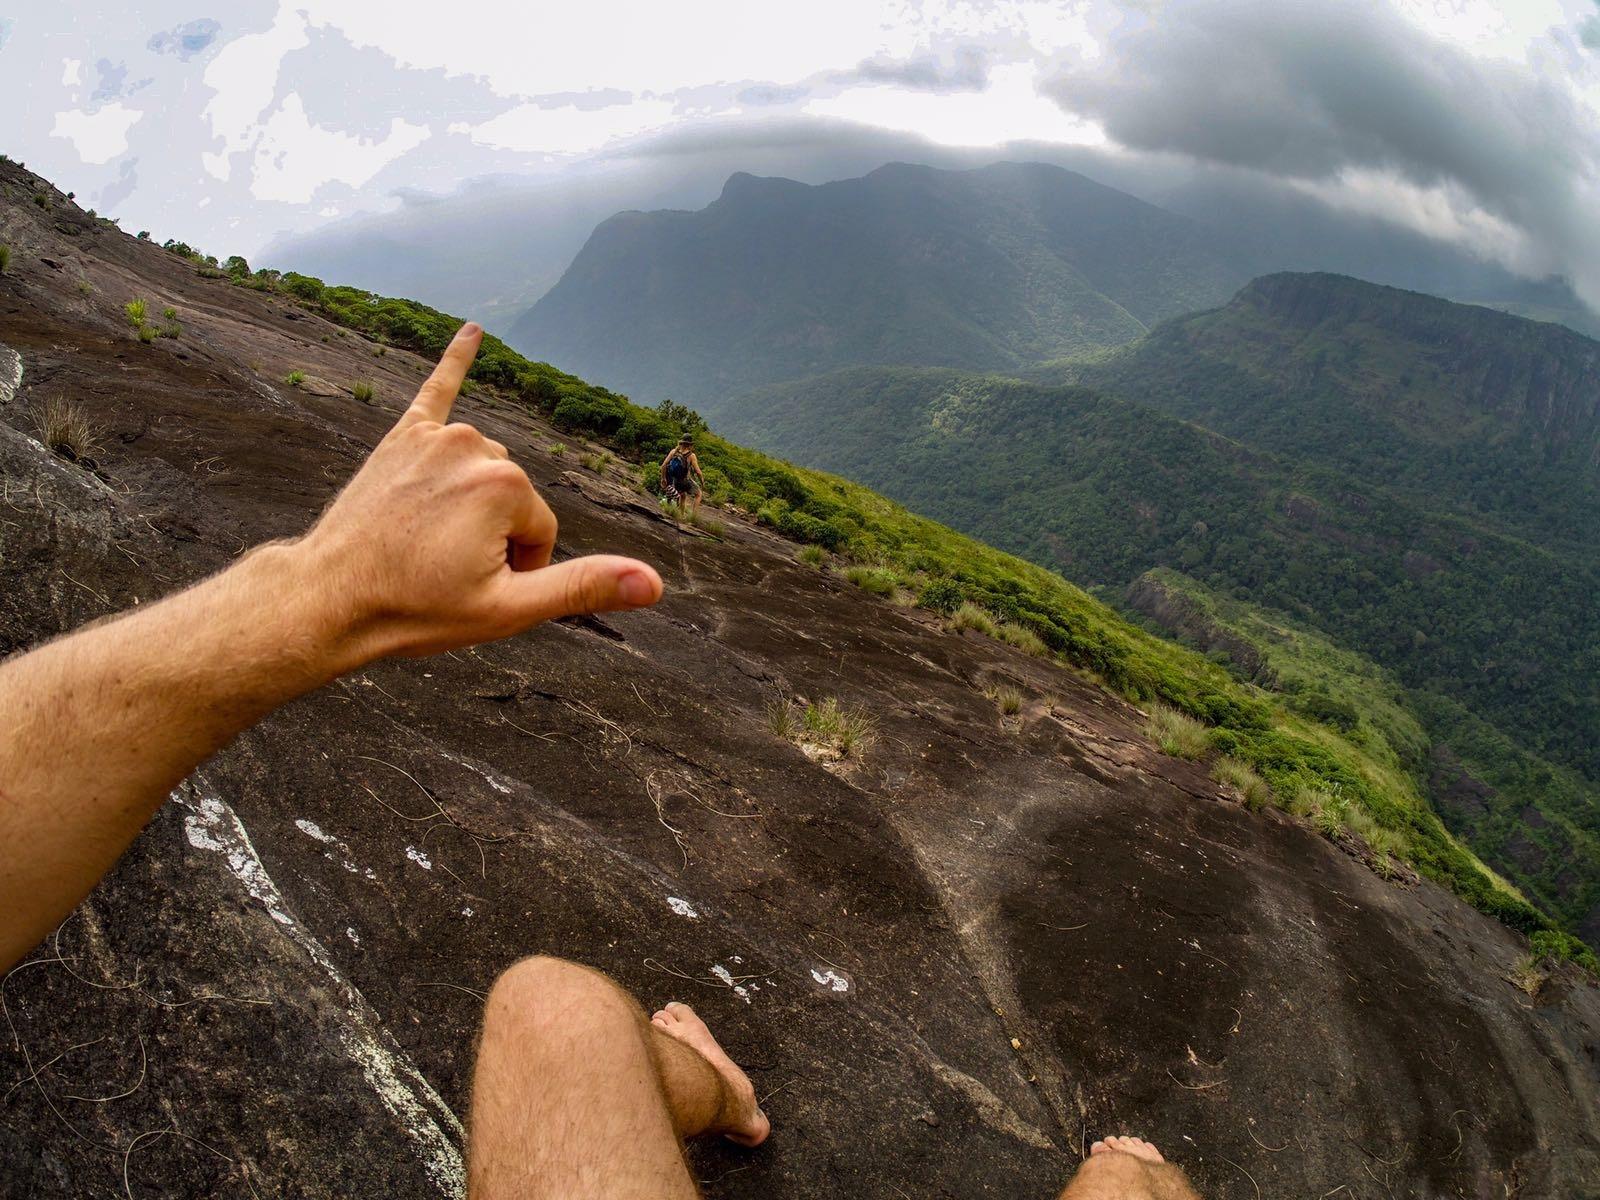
x=1099 y=1148
x=680 y=1010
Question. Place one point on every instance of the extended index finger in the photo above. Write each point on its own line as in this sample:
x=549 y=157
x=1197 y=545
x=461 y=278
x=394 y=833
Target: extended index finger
x=439 y=390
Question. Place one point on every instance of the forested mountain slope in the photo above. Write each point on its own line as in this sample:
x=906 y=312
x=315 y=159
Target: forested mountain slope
x=991 y=268
x=1104 y=489
x=1488 y=415
x=1046 y=928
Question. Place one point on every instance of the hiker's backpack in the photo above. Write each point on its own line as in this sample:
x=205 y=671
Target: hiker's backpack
x=677 y=468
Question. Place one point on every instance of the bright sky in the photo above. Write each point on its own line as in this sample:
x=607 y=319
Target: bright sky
x=225 y=124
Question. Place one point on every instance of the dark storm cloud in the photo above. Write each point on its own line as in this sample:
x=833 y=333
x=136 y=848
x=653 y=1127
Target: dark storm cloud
x=186 y=40
x=1310 y=91
x=964 y=69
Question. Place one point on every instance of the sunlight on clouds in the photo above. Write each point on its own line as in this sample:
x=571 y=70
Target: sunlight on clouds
x=98 y=137
x=244 y=76
x=295 y=157
x=534 y=129
x=1009 y=111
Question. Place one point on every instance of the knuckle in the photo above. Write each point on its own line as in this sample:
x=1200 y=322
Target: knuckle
x=503 y=475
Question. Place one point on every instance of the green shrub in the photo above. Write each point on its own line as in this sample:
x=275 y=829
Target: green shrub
x=41 y=200
x=1023 y=639
x=1563 y=947
x=595 y=462
x=136 y=311
x=1177 y=733
x=148 y=334
x=85 y=288
x=169 y=313
x=1244 y=779
x=363 y=392
x=971 y=616
x=295 y=378
x=558 y=448
x=812 y=555
x=875 y=580
x=943 y=596
x=173 y=330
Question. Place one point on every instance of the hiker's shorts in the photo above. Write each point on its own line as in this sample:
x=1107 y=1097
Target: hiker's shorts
x=688 y=488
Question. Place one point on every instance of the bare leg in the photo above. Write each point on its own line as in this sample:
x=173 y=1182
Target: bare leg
x=577 y=1095
x=1127 y=1168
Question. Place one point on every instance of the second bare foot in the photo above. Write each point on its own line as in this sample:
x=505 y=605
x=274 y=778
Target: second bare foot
x=745 y=1124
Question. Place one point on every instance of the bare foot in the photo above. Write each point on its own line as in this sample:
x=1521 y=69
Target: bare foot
x=1137 y=1147
x=746 y=1124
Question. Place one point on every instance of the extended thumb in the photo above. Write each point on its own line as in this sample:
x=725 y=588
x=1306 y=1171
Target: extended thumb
x=596 y=583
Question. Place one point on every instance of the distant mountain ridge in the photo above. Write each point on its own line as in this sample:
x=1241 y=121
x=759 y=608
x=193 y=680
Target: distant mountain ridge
x=1497 y=414
x=989 y=269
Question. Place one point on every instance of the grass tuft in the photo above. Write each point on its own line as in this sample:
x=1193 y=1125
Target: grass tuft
x=65 y=429
x=363 y=392
x=878 y=581
x=1023 y=639
x=1177 y=733
x=971 y=616
x=136 y=311
x=5 y=258
x=1006 y=698
x=596 y=462
x=1529 y=975
x=148 y=334
x=295 y=378
x=558 y=448
x=1245 y=780
x=812 y=555
x=824 y=723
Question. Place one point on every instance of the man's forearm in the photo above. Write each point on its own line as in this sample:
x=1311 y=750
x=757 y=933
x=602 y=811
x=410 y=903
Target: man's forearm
x=101 y=725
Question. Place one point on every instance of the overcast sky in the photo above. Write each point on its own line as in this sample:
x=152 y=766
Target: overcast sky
x=230 y=123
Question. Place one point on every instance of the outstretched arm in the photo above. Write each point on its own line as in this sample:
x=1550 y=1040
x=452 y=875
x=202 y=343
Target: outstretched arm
x=439 y=541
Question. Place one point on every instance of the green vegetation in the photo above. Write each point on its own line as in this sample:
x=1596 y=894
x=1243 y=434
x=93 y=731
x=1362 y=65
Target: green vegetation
x=974 y=617
x=1022 y=638
x=558 y=448
x=1006 y=698
x=812 y=556
x=878 y=581
x=941 y=595
x=1244 y=779
x=136 y=311
x=363 y=392
x=596 y=462
x=1177 y=733
x=169 y=313
x=824 y=725
x=85 y=288
x=295 y=378
x=5 y=258
x=148 y=334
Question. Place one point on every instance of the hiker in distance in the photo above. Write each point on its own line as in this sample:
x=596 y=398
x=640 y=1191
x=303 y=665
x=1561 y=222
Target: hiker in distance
x=680 y=476
x=438 y=542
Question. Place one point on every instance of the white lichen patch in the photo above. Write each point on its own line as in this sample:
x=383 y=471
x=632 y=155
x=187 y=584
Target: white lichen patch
x=312 y=830
x=831 y=979
x=418 y=857
x=683 y=908
x=212 y=826
x=355 y=938
x=739 y=990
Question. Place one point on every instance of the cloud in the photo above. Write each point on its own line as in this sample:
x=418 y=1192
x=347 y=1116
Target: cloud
x=100 y=136
x=965 y=70
x=1350 y=99
x=185 y=40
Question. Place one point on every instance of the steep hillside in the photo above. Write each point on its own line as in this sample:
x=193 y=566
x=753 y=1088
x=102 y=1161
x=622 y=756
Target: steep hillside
x=1490 y=415
x=991 y=268
x=959 y=952
x=1533 y=821
x=1105 y=489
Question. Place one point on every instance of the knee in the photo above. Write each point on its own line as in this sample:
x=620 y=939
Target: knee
x=543 y=991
